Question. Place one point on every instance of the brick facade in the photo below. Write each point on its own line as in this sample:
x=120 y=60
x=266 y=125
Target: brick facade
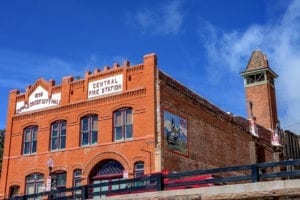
x=260 y=90
x=215 y=138
x=207 y=136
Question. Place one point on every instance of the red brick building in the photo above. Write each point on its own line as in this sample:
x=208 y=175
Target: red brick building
x=116 y=123
x=260 y=90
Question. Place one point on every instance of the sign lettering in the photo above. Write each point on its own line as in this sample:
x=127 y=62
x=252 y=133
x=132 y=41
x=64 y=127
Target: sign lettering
x=105 y=86
x=37 y=100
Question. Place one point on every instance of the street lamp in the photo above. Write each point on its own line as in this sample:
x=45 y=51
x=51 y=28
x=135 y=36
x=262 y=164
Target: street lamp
x=50 y=164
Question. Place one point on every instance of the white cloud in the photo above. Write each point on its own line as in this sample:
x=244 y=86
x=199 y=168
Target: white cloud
x=280 y=41
x=165 y=18
x=19 y=69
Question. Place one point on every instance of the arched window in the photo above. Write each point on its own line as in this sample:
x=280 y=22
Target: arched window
x=138 y=169
x=61 y=178
x=58 y=181
x=89 y=130
x=30 y=140
x=123 y=124
x=77 y=177
x=14 y=190
x=77 y=182
x=34 y=183
x=107 y=172
x=58 y=135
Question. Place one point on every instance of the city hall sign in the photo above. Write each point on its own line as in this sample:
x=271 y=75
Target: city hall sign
x=105 y=86
x=38 y=99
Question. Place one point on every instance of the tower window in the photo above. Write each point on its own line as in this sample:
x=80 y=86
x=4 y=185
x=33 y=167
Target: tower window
x=254 y=78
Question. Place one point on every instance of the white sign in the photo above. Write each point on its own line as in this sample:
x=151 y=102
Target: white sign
x=253 y=128
x=105 y=86
x=37 y=100
x=48 y=183
x=125 y=173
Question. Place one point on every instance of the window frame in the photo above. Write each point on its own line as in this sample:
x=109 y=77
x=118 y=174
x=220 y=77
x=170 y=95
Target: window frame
x=124 y=126
x=30 y=140
x=14 y=190
x=60 y=176
x=139 y=172
x=77 y=177
x=61 y=135
x=77 y=173
x=91 y=130
x=256 y=78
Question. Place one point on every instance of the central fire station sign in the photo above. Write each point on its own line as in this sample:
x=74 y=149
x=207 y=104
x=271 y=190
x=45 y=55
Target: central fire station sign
x=105 y=86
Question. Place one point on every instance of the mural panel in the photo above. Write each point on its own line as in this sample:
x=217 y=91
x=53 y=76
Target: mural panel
x=175 y=133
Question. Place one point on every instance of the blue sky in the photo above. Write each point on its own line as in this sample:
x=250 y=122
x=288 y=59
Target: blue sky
x=204 y=44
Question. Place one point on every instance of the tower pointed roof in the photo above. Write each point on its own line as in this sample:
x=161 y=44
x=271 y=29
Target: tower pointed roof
x=258 y=61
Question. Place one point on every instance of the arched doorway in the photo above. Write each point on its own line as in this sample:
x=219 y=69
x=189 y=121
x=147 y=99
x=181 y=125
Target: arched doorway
x=103 y=175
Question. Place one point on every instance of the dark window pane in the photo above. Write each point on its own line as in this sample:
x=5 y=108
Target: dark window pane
x=118 y=133
x=30 y=178
x=139 y=166
x=54 y=133
x=34 y=133
x=55 y=126
x=63 y=126
x=30 y=188
x=85 y=124
x=94 y=137
x=129 y=131
x=118 y=118
x=63 y=142
x=63 y=132
x=85 y=139
x=53 y=143
x=26 y=147
x=33 y=137
x=128 y=116
x=27 y=137
x=94 y=123
x=77 y=173
x=61 y=179
x=40 y=187
x=33 y=149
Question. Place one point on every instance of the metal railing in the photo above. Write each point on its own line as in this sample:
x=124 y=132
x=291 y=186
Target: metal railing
x=190 y=179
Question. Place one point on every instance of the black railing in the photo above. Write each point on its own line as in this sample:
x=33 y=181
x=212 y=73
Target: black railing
x=190 y=179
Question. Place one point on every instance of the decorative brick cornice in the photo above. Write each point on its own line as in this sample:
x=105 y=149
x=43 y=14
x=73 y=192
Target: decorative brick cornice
x=96 y=101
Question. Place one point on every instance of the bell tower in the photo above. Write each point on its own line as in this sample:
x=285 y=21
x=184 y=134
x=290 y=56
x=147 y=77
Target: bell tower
x=260 y=90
